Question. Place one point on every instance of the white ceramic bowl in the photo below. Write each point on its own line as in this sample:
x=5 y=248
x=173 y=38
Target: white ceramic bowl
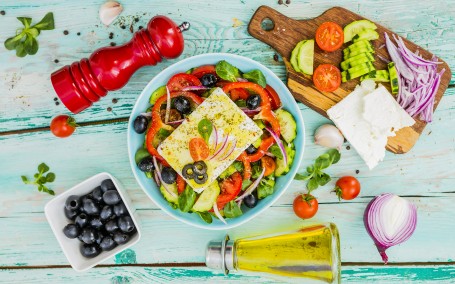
x=57 y=220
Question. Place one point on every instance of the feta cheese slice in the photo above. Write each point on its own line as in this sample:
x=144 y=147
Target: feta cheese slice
x=232 y=125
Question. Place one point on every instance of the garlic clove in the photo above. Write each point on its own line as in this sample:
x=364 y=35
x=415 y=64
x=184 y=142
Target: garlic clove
x=109 y=11
x=329 y=136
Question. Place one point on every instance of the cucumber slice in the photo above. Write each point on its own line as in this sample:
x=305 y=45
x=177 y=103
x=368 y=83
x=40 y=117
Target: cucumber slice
x=356 y=60
x=157 y=94
x=377 y=76
x=257 y=143
x=358 y=45
x=281 y=167
x=348 y=54
x=234 y=167
x=294 y=54
x=207 y=198
x=172 y=188
x=393 y=78
x=356 y=71
x=288 y=126
x=141 y=153
x=356 y=27
x=367 y=34
x=305 y=57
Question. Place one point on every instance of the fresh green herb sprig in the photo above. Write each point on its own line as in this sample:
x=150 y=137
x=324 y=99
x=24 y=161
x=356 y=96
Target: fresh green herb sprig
x=315 y=175
x=24 y=42
x=257 y=77
x=41 y=179
x=204 y=128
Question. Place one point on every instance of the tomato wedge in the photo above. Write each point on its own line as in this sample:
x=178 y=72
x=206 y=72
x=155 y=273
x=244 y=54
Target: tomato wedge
x=230 y=188
x=181 y=184
x=182 y=80
x=198 y=149
x=239 y=94
x=269 y=164
x=202 y=70
x=327 y=78
x=275 y=101
x=329 y=36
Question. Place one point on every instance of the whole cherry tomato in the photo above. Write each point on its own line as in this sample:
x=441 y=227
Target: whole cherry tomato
x=347 y=188
x=63 y=126
x=305 y=206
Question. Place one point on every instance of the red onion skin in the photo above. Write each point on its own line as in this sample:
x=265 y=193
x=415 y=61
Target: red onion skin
x=380 y=247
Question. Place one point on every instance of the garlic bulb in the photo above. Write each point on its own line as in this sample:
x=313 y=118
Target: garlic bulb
x=109 y=11
x=329 y=136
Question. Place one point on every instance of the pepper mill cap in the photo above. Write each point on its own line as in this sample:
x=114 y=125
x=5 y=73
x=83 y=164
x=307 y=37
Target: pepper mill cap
x=219 y=255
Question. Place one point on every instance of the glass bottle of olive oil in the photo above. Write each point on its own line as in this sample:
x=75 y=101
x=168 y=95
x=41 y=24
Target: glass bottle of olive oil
x=311 y=252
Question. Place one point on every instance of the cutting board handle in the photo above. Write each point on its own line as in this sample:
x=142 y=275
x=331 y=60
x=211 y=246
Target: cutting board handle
x=285 y=32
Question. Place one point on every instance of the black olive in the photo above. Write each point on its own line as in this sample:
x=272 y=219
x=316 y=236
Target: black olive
x=250 y=201
x=70 y=214
x=111 y=226
x=82 y=220
x=97 y=194
x=111 y=197
x=73 y=202
x=88 y=235
x=140 y=124
x=146 y=164
x=200 y=179
x=90 y=207
x=90 y=251
x=99 y=236
x=106 y=212
x=120 y=209
x=96 y=223
x=125 y=224
x=253 y=101
x=107 y=184
x=108 y=243
x=71 y=231
x=199 y=168
x=209 y=80
x=251 y=149
x=168 y=175
x=188 y=171
x=182 y=104
x=120 y=237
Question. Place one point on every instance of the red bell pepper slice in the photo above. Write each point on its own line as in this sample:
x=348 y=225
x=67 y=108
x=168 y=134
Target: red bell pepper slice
x=230 y=189
x=181 y=184
x=275 y=100
x=263 y=148
x=157 y=123
x=246 y=165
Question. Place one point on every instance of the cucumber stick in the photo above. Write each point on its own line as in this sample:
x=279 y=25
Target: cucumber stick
x=302 y=57
x=356 y=60
x=393 y=78
x=377 y=76
x=356 y=27
x=351 y=53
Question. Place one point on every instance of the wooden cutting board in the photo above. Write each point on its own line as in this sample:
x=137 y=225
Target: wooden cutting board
x=287 y=32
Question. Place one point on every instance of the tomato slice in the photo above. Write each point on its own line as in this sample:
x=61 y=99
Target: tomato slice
x=275 y=101
x=181 y=184
x=198 y=149
x=202 y=70
x=269 y=164
x=329 y=36
x=327 y=78
x=182 y=80
x=230 y=188
x=239 y=94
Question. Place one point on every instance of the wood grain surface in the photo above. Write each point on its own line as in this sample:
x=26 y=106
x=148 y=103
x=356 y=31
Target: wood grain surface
x=285 y=35
x=172 y=252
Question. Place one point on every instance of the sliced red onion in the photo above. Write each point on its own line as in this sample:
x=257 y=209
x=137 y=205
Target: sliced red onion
x=176 y=122
x=146 y=114
x=383 y=58
x=155 y=177
x=195 y=88
x=231 y=149
x=214 y=136
x=248 y=111
x=252 y=187
x=168 y=105
x=157 y=170
x=221 y=148
x=389 y=220
x=241 y=80
x=217 y=213
x=280 y=144
x=269 y=154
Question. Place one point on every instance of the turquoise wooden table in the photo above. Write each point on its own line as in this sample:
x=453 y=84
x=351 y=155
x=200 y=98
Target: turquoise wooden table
x=169 y=250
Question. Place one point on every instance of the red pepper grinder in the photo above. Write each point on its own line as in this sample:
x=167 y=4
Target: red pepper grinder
x=110 y=68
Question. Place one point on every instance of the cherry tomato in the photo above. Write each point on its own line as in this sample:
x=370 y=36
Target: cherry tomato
x=198 y=149
x=347 y=188
x=305 y=206
x=230 y=188
x=327 y=78
x=63 y=126
x=329 y=36
x=239 y=94
x=269 y=165
x=202 y=70
x=275 y=101
x=182 y=80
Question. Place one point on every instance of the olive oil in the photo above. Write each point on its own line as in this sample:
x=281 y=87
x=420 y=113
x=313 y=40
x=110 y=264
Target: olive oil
x=311 y=252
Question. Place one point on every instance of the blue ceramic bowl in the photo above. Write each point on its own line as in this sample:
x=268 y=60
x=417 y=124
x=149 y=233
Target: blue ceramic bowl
x=135 y=141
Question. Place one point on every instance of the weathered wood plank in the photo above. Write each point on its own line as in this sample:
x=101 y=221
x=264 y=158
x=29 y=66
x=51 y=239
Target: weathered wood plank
x=117 y=275
x=210 y=33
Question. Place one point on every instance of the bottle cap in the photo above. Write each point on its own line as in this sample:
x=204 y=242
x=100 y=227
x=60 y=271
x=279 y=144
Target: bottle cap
x=219 y=255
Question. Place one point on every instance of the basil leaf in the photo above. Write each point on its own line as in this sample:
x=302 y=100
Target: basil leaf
x=310 y=169
x=257 y=77
x=20 y=50
x=162 y=134
x=31 y=45
x=335 y=155
x=312 y=184
x=266 y=187
x=275 y=150
x=50 y=177
x=240 y=103
x=205 y=216
x=50 y=191
x=24 y=179
x=323 y=179
x=25 y=21
x=47 y=23
x=232 y=210
x=322 y=162
x=302 y=177
x=204 y=128
x=187 y=199
x=42 y=168
x=226 y=71
x=33 y=32
x=12 y=42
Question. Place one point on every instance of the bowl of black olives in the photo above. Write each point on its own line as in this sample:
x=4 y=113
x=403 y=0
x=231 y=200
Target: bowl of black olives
x=93 y=221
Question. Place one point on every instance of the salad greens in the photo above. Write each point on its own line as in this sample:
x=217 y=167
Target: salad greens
x=205 y=129
x=266 y=187
x=275 y=150
x=226 y=71
x=232 y=210
x=187 y=199
x=41 y=179
x=24 y=42
x=257 y=77
x=315 y=176
x=205 y=216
